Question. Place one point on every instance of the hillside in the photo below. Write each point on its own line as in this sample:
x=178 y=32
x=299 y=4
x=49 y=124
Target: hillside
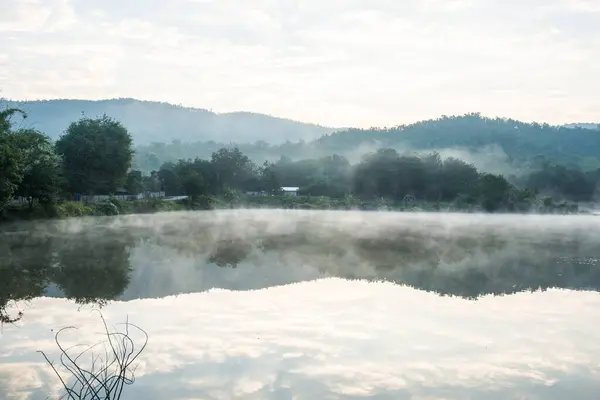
x=585 y=125
x=162 y=122
x=520 y=141
x=495 y=145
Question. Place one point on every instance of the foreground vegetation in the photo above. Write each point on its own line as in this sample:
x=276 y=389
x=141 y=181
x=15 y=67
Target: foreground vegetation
x=73 y=209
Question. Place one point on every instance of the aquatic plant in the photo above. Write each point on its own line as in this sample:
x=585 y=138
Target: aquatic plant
x=107 y=372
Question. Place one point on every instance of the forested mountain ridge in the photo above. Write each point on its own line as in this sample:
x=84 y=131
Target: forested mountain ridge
x=519 y=140
x=150 y=121
x=472 y=137
x=585 y=125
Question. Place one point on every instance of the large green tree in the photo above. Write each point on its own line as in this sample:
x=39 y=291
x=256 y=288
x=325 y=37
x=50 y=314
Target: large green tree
x=11 y=159
x=97 y=154
x=41 y=167
x=233 y=169
x=135 y=182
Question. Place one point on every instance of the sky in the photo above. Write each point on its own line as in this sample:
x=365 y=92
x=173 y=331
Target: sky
x=333 y=62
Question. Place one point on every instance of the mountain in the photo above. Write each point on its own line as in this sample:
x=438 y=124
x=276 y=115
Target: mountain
x=585 y=125
x=497 y=145
x=519 y=140
x=150 y=121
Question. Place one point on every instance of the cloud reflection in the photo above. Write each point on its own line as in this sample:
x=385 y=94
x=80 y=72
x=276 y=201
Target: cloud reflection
x=333 y=338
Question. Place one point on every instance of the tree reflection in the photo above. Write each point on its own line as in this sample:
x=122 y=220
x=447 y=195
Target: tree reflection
x=25 y=263
x=230 y=252
x=468 y=266
x=94 y=265
x=92 y=269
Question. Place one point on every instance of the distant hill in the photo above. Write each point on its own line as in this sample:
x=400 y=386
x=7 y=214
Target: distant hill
x=520 y=141
x=150 y=121
x=496 y=145
x=585 y=125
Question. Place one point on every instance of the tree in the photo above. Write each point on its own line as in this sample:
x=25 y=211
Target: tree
x=5 y=119
x=169 y=179
x=41 y=167
x=495 y=191
x=97 y=154
x=232 y=168
x=193 y=184
x=25 y=265
x=458 y=177
x=11 y=159
x=90 y=270
x=134 y=183
x=269 y=177
x=10 y=171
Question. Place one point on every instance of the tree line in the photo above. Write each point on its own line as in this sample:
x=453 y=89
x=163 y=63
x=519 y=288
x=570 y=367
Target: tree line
x=94 y=156
x=382 y=175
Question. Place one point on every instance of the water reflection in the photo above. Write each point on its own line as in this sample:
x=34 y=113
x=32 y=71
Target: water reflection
x=315 y=338
x=130 y=257
x=331 y=339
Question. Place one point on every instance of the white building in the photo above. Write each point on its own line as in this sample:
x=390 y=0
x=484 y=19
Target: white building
x=290 y=191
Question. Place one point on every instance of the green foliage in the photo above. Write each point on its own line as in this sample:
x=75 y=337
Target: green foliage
x=41 y=167
x=5 y=119
x=11 y=158
x=495 y=191
x=520 y=142
x=134 y=183
x=106 y=208
x=96 y=154
x=25 y=264
x=233 y=169
x=69 y=209
x=560 y=181
x=88 y=270
x=10 y=171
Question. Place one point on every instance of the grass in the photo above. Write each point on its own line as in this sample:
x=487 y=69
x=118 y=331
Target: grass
x=74 y=209
x=71 y=209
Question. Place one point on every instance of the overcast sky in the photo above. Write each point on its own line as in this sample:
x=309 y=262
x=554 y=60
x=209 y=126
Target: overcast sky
x=334 y=62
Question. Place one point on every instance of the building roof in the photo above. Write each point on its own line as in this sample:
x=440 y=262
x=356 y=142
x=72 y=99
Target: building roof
x=290 y=189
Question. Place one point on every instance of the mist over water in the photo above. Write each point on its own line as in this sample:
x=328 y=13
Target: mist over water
x=459 y=254
x=415 y=315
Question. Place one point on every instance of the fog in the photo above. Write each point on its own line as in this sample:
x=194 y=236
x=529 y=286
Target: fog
x=316 y=304
x=459 y=254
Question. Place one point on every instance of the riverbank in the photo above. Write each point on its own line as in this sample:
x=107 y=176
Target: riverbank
x=72 y=209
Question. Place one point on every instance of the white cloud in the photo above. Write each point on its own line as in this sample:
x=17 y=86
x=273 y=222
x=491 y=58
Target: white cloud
x=331 y=338
x=339 y=63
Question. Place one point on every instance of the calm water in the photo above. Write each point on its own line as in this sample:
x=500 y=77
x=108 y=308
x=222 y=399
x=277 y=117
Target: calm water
x=305 y=305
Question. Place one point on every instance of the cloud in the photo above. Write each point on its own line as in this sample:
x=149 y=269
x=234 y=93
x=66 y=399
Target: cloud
x=334 y=338
x=338 y=63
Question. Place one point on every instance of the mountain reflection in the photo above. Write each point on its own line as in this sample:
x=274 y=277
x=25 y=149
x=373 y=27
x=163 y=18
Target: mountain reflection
x=154 y=256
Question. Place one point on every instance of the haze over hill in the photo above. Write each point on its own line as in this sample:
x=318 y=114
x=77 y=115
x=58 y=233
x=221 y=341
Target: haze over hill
x=496 y=145
x=166 y=132
x=150 y=121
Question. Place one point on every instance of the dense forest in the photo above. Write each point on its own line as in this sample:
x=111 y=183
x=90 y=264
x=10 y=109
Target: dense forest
x=494 y=145
x=96 y=156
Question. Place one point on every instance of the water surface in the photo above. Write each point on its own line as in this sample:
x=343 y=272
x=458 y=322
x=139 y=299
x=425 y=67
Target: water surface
x=287 y=304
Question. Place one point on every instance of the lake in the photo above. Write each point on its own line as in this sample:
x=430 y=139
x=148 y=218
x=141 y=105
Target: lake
x=311 y=305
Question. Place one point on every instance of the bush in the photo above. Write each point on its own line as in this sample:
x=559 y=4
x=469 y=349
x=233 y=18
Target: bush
x=106 y=208
x=70 y=209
